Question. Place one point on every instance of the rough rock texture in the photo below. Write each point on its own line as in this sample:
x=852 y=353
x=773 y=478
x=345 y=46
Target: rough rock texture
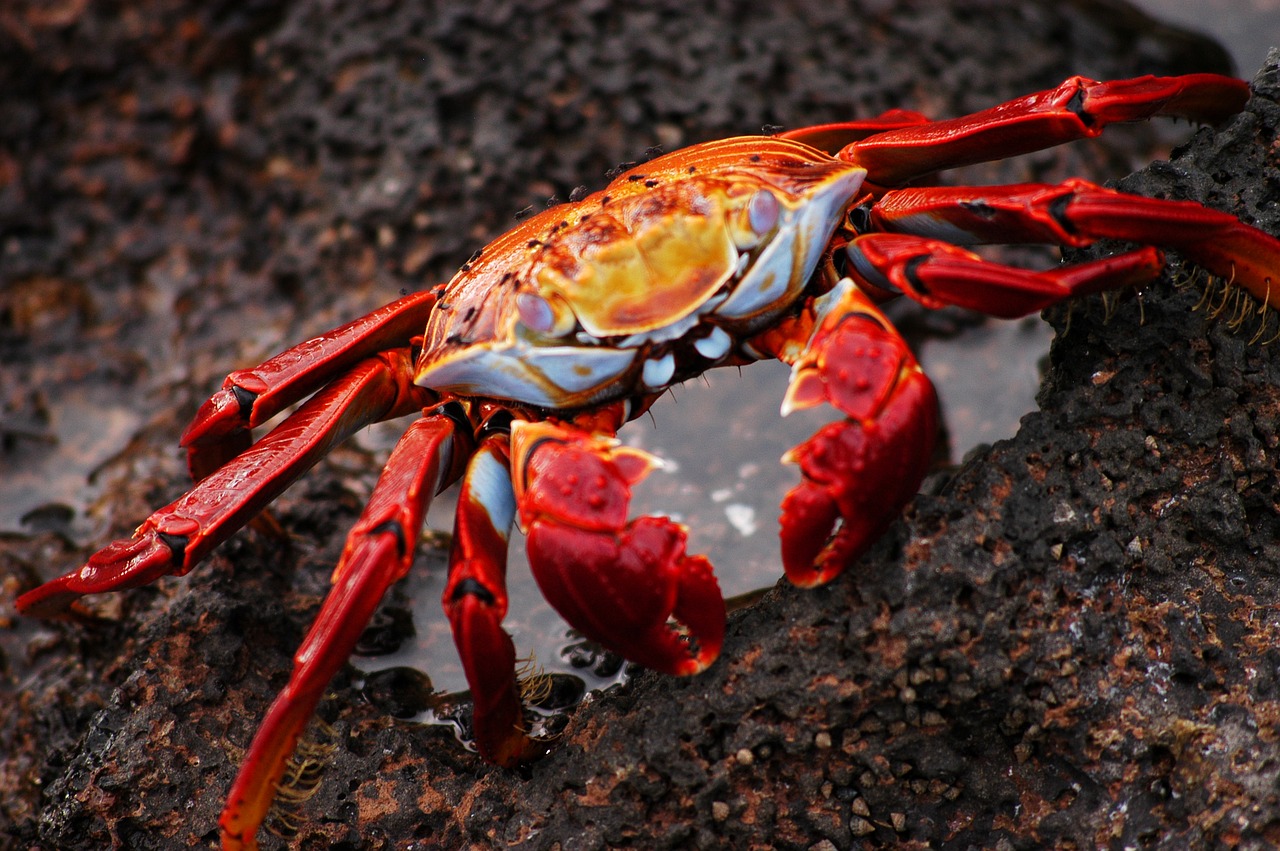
x=1069 y=640
x=1072 y=644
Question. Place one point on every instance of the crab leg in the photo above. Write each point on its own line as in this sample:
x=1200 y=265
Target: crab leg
x=1078 y=213
x=175 y=538
x=222 y=427
x=618 y=582
x=475 y=599
x=857 y=473
x=832 y=137
x=378 y=553
x=1078 y=108
x=937 y=273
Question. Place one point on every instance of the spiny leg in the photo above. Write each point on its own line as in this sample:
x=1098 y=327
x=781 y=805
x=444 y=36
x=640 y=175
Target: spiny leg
x=617 y=581
x=378 y=553
x=1078 y=213
x=222 y=428
x=174 y=539
x=475 y=598
x=856 y=473
x=1078 y=108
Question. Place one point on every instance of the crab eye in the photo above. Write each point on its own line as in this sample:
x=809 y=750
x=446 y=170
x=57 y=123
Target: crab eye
x=762 y=211
x=540 y=315
x=758 y=217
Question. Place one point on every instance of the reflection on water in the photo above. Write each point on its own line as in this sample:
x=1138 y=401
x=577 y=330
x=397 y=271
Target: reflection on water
x=721 y=438
x=46 y=481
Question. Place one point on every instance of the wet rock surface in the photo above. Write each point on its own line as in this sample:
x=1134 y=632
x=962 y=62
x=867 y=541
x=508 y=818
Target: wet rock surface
x=1068 y=639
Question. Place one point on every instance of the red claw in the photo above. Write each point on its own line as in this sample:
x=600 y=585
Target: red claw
x=617 y=582
x=856 y=473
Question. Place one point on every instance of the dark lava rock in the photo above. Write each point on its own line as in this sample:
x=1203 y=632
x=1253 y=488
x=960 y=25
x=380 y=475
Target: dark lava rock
x=1070 y=640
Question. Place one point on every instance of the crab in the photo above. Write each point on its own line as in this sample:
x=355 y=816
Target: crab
x=523 y=367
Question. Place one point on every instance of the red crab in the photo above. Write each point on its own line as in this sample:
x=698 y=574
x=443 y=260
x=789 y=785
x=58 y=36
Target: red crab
x=522 y=368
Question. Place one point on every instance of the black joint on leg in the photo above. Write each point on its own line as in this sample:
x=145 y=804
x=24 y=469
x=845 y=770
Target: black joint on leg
x=474 y=588
x=981 y=209
x=860 y=218
x=1076 y=107
x=393 y=528
x=498 y=423
x=245 y=399
x=177 y=545
x=455 y=412
x=1058 y=210
x=910 y=271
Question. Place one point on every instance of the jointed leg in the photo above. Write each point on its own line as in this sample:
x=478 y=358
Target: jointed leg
x=1078 y=213
x=249 y=397
x=378 y=553
x=938 y=273
x=175 y=538
x=475 y=599
x=618 y=581
x=1078 y=108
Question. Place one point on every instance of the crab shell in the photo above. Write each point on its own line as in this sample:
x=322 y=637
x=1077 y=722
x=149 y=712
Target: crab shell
x=653 y=278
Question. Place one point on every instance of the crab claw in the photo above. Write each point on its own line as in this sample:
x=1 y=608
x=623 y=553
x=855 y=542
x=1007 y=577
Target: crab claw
x=620 y=583
x=856 y=474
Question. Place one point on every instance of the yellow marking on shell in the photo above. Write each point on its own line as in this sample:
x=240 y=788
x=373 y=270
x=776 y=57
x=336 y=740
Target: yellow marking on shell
x=646 y=260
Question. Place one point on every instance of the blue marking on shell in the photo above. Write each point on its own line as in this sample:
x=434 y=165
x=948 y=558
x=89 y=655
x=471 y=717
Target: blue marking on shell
x=551 y=376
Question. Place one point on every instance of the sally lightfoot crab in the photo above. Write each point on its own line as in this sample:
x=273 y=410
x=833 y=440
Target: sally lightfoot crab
x=524 y=366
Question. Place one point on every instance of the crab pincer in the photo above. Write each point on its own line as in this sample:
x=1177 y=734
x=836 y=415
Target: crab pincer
x=857 y=472
x=628 y=584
